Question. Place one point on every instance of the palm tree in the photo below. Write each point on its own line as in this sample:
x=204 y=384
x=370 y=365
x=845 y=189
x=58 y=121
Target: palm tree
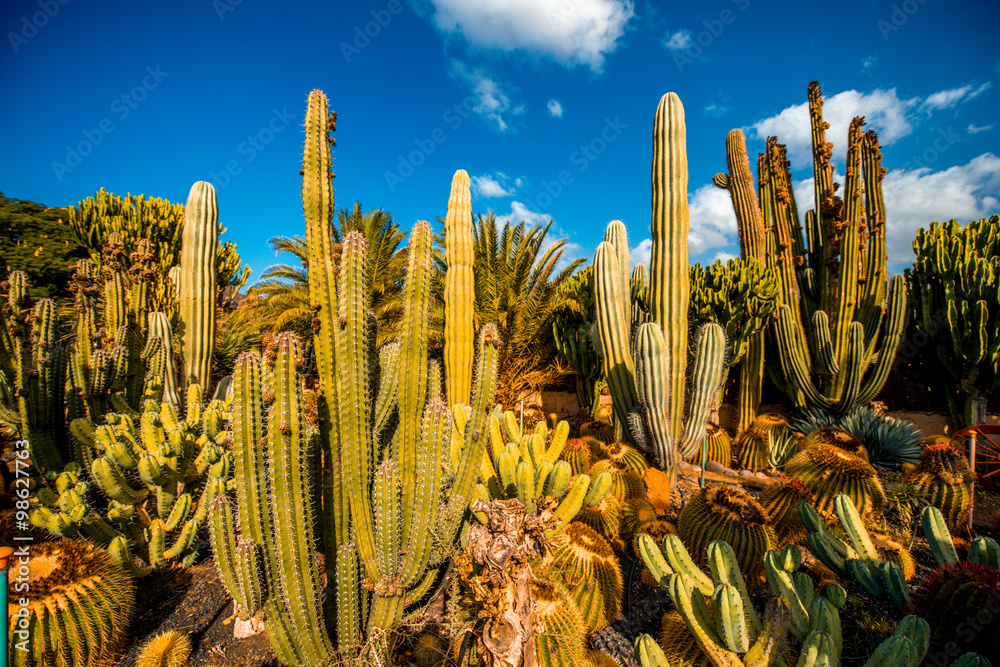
x=280 y=301
x=517 y=277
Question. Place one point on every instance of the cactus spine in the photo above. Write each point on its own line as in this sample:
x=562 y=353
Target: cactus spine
x=459 y=291
x=197 y=300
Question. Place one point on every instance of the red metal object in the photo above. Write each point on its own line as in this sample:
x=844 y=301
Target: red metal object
x=986 y=453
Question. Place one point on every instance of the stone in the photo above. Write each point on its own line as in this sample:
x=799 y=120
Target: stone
x=760 y=475
x=731 y=473
x=745 y=473
x=715 y=466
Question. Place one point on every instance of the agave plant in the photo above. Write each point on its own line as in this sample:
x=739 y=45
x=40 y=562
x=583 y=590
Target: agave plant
x=889 y=442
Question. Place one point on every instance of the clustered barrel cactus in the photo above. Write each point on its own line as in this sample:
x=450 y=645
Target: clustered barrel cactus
x=648 y=383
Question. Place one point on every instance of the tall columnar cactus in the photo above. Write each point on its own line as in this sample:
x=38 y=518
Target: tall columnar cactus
x=197 y=293
x=38 y=373
x=395 y=490
x=459 y=291
x=753 y=245
x=955 y=292
x=648 y=385
x=838 y=325
x=159 y=326
x=571 y=328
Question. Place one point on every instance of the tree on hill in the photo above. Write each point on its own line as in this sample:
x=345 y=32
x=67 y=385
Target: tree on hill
x=33 y=239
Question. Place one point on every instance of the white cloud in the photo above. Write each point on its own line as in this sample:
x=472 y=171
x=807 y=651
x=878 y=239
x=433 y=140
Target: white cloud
x=945 y=99
x=641 y=253
x=976 y=129
x=885 y=112
x=487 y=186
x=678 y=41
x=713 y=222
x=572 y=32
x=868 y=62
x=915 y=198
x=493 y=99
x=723 y=256
x=519 y=212
x=555 y=109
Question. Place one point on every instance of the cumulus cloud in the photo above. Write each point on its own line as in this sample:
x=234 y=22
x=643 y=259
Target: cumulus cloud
x=493 y=98
x=572 y=32
x=678 y=41
x=885 y=111
x=914 y=198
x=946 y=99
x=519 y=212
x=713 y=222
x=488 y=186
x=641 y=253
x=555 y=109
x=723 y=256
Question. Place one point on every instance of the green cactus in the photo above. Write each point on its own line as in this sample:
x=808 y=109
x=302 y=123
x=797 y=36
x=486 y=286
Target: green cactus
x=717 y=609
x=571 y=328
x=459 y=334
x=649 y=652
x=584 y=562
x=198 y=275
x=522 y=465
x=561 y=631
x=958 y=602
x=168 y=649
x=861 y=559
x=983 y=550
x=648 y=384
x=753 y=246
x=723 y=512
x=954 y=294
x=37 y=368
x=160 y=476
x=828 y=470
x=906 y=647
x=79 y=609
x=945 y=480
x=781 y=500
x=741 y=295
x=838 y=328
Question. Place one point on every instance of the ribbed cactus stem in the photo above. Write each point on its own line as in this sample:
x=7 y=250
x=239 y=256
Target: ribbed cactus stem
x=159 y=325
x=669 y=270
x=613 y=326
x=459 y=291
x=197 y=302
x=293 y=505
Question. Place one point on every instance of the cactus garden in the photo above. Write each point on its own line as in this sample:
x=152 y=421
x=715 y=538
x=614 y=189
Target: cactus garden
x=474 y=439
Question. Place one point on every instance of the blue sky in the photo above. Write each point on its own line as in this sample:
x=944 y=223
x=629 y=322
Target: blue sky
x=149 y=97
